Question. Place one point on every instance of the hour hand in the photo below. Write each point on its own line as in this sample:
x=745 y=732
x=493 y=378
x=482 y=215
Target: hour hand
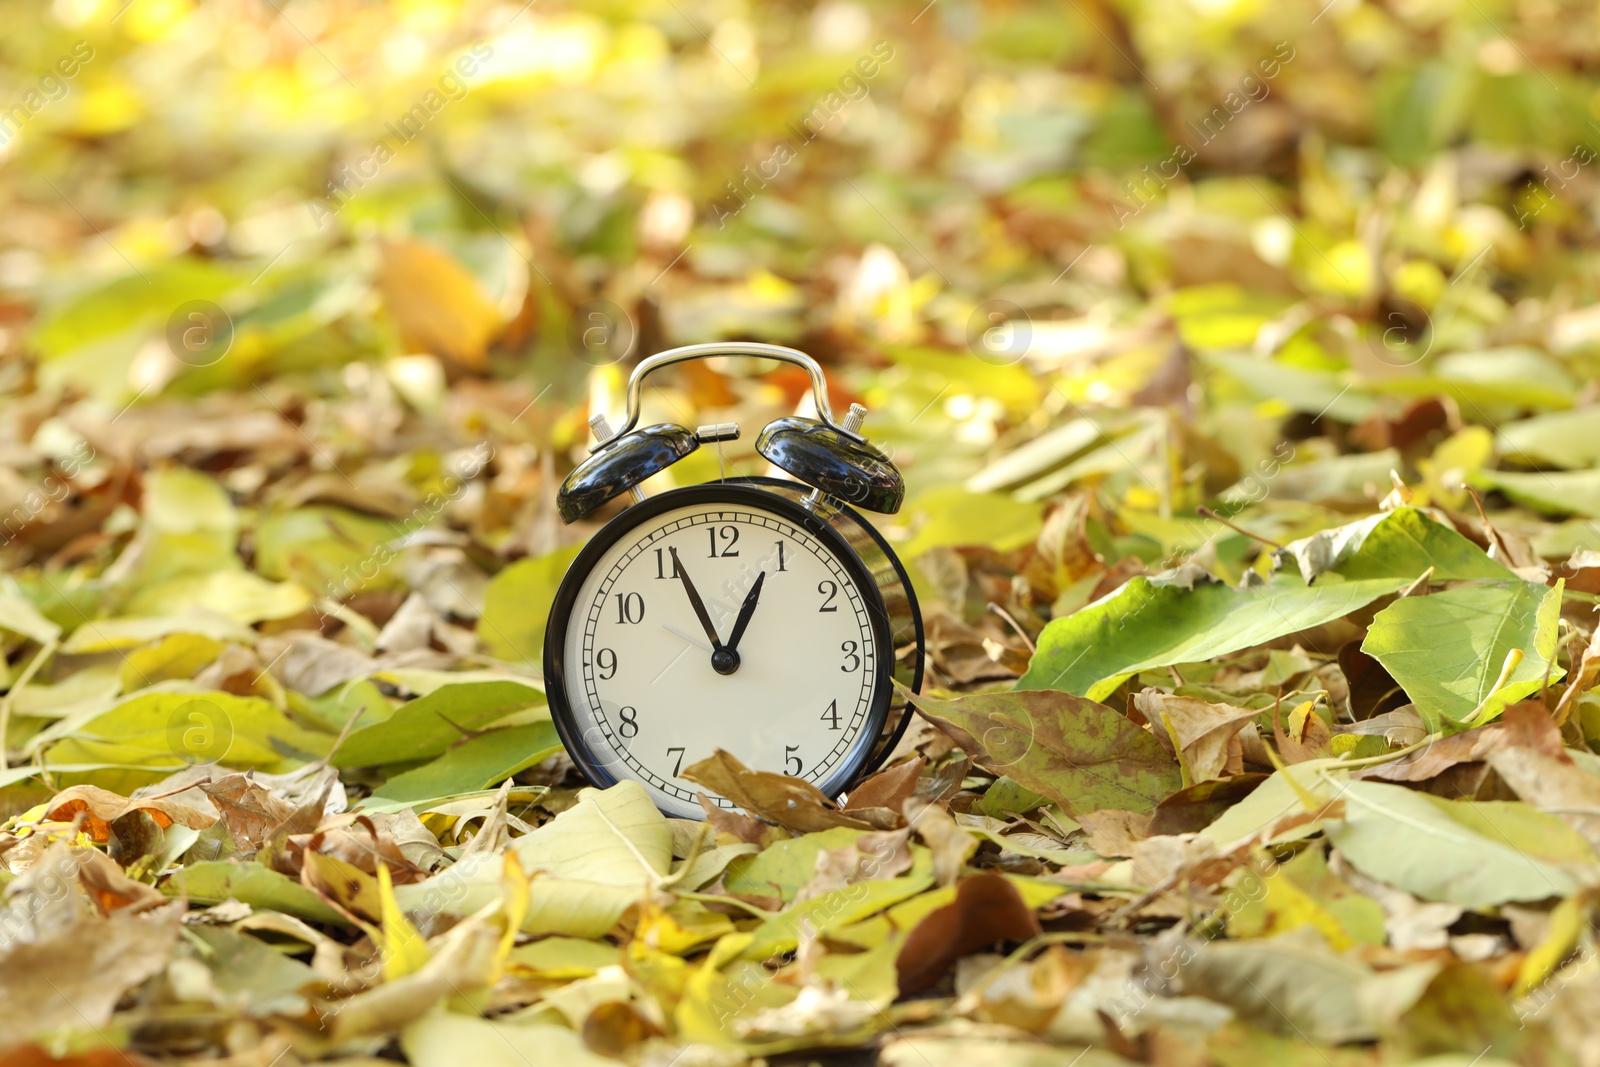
x=747 y=609
x=694 y=600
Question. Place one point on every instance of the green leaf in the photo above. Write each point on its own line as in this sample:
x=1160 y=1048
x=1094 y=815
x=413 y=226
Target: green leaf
x=1402 y=544
x=152 y=734
x=213 y=881
x=477 y=763
x=781 y=869
x=1283 y=987
x=1151 y=623
x=1447 y=650
x=838 y=908
x=1473 y=853
x=1079 y=754
x=1563 y=438
x=430 y=724
x=949 y=515
x=594 y=861
x=1550 y=492
x=516 y=605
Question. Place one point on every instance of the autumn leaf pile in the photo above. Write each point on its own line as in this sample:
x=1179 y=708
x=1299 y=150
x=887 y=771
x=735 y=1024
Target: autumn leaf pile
x=1241 y=361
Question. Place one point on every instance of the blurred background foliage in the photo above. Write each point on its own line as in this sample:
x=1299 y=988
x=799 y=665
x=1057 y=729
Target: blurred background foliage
x=1177 y=251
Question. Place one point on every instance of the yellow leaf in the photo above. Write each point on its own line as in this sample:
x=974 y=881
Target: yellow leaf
x=436 y=304
x=1567 y=922
x=404 y=950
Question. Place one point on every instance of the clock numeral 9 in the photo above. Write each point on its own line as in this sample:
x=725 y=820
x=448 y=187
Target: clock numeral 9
x=729 y=536
x=606 y=660
x=791 y=763
x=852 y=657
x=830 y=590
x=630 y=722
x=630 y=608
x=831 y=716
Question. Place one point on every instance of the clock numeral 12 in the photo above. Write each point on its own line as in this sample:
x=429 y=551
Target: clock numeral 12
x=789 y=758
x=729 y=536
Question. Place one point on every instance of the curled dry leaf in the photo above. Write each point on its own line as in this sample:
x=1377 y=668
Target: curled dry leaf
x=101 y=807
x=951 y=845
x=792 y=803
x=987 y=911
x=1207 y=734
x=890 y=788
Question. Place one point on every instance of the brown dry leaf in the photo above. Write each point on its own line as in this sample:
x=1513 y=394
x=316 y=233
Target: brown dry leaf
x=792 y=803
x=110 y=889
x=614 y=1027
x=1585 y=677
x=313 y=665
x=252 y=814
x=436 y=304
x=1113 y=832
x=63 y=964
x=101 y=807
x=1533 y=762
x=1207 y=734
x=987 y=910
x=749 y=830
x=889 y=788
x=1306 y=736
x=951 y=845
x=883 y=854
x=464 y=960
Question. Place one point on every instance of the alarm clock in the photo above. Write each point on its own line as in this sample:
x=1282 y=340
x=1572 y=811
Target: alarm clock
x=760 y=615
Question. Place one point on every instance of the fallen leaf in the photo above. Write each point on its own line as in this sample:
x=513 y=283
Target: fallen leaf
x=793 y=803
x=1079 y=754
x=987 y=910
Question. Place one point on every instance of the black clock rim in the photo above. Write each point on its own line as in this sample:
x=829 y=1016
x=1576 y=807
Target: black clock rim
x=732 y=493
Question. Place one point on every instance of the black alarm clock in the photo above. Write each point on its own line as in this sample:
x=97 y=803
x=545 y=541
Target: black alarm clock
x=759 y=615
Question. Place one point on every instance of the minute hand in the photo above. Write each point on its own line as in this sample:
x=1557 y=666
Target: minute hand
x=747 y=609
x=695 y=601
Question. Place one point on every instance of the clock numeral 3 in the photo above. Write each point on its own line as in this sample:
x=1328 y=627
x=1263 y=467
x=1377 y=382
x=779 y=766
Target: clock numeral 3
x=831 y=716
x=852 y=657
x=677 y=768
x=729 y=536
x=791 y=762
x=830 y=590
x=630 y=608
x=606 y=660
x=630 y=722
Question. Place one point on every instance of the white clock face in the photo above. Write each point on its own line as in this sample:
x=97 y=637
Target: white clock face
x=652 y=688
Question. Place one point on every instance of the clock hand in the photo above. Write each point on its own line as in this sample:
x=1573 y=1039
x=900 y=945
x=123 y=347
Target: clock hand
x=747 y=609
x=693 y=641
x=694 y=600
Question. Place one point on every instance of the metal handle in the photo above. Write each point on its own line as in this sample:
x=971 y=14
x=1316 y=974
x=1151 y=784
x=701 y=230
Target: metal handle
x=819 y=385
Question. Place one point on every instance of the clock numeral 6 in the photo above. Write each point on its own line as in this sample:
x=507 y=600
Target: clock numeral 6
x=630 y=608
x=606 y=660
x=830 y=590
x=677 y=768
x=852 y=657
x=791 y=762
x=729 y=536
x=630 y=722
